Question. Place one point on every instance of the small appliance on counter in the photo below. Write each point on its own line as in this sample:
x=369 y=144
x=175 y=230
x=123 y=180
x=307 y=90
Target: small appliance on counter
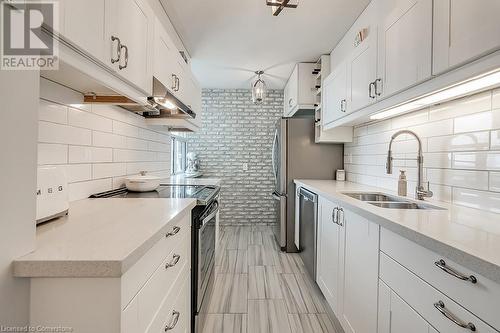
x=340 y=175
x=193 y=166
x=52 y=194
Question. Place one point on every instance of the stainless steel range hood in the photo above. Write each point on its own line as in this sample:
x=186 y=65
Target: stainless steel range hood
x=166 y=105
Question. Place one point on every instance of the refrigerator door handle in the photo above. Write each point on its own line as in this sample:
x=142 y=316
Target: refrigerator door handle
x=275 y=144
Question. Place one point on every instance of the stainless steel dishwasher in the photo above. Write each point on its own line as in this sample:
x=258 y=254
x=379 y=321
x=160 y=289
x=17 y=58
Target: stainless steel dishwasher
x=308 y=216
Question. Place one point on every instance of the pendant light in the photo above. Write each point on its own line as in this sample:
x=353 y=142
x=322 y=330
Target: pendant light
x=259 y=89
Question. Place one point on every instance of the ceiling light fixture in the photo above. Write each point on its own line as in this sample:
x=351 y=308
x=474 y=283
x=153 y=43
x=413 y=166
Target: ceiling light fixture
x=259 y=89
x=476 y=84
x=278 y=5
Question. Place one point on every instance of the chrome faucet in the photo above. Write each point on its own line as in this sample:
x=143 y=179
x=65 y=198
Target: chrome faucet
x=420 y=192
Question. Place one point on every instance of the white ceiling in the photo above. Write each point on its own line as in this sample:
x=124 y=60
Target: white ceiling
x=229 y=39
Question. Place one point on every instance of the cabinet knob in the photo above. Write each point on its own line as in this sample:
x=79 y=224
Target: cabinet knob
x=371 y=88
x=175 y=260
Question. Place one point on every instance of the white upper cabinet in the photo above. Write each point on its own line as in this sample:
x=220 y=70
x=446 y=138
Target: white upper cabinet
x=334 y=95
x=165 y=61
x=130 y=25
x=362 y=69
x=299 y=92
x=464 y=30
x=329 y=253
x=83 y=24
x=404 y=44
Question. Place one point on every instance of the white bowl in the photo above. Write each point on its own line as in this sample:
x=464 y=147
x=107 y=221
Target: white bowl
x=142 y=183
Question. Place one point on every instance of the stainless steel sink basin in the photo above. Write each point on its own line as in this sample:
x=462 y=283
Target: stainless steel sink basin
x=369 y=196
x=389 y=201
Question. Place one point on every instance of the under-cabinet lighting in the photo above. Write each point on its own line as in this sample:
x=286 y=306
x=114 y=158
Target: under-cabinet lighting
x=473 y=85
x=165 y=103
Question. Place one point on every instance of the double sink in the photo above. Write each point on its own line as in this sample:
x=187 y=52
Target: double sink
x=389 y=201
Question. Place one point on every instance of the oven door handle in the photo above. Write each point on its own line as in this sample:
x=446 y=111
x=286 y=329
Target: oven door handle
x=209 y=217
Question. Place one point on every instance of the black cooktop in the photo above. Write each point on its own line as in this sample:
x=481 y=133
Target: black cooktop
x=202 y=193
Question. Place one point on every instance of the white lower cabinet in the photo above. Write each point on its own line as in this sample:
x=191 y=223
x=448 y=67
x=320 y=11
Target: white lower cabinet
x=330 y=244
x=377 y=281
x=360 y=274
x=396 y=316
x=151 y=296
x=348 y=247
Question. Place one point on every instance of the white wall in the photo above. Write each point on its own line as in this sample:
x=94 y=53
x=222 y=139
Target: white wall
x=97 y=145
x=461 y=143
x=18 y=136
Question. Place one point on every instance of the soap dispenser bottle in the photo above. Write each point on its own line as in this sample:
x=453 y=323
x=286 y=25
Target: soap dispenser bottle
x=402 y=184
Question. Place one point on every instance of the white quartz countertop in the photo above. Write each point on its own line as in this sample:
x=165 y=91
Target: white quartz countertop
x=467 y=236
x=100 y=237
x=181 y=180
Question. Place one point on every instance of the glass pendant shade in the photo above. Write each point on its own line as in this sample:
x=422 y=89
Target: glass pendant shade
x=259 y=89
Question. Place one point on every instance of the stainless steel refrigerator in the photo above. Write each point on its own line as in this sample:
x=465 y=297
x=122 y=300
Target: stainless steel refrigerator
x=295 y=155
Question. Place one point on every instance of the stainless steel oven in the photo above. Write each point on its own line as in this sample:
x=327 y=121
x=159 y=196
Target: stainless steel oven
x=203 y=257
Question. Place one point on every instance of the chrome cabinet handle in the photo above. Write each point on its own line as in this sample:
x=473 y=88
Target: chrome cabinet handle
x=372 y=87
x=118 y=49
x=343 y=105
x=335 y=215
x=178 y=83
x=290 y=102
x=340 y=222
x=377 y=81
x=174 y=231
x=173 y=322
x=174 y=81
x=442 y=265
x=441 y=308
x=126 y=58
x=175 y=260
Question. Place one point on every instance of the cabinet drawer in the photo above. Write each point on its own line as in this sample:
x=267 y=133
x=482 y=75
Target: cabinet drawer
x=428 y=301
x=135 y=278
x=175 y=310
x=481 y=298
x=160 y=284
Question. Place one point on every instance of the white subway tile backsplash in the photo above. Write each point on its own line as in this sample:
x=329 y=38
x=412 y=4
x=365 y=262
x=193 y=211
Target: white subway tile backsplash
x=478 y=122
x=125 y=155
x=495 y=140
x=460 y=178
x=442 y=127
x=460 y=142
x=463 y=106
x=477 y=160
x=483 y=200
x=495 y=181
x=83 y=190
x=78 y=172
x=89 y=120
x=101 y=139
x=57 y=133
x=98 y=145
x=107 y=170
x=81 y=154
x=125 y=129
x=49 y=153
x=52 y=112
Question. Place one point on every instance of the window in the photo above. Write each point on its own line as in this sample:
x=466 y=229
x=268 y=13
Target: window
x=179 y=153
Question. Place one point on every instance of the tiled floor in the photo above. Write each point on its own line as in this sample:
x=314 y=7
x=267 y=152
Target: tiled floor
x=259 y=289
